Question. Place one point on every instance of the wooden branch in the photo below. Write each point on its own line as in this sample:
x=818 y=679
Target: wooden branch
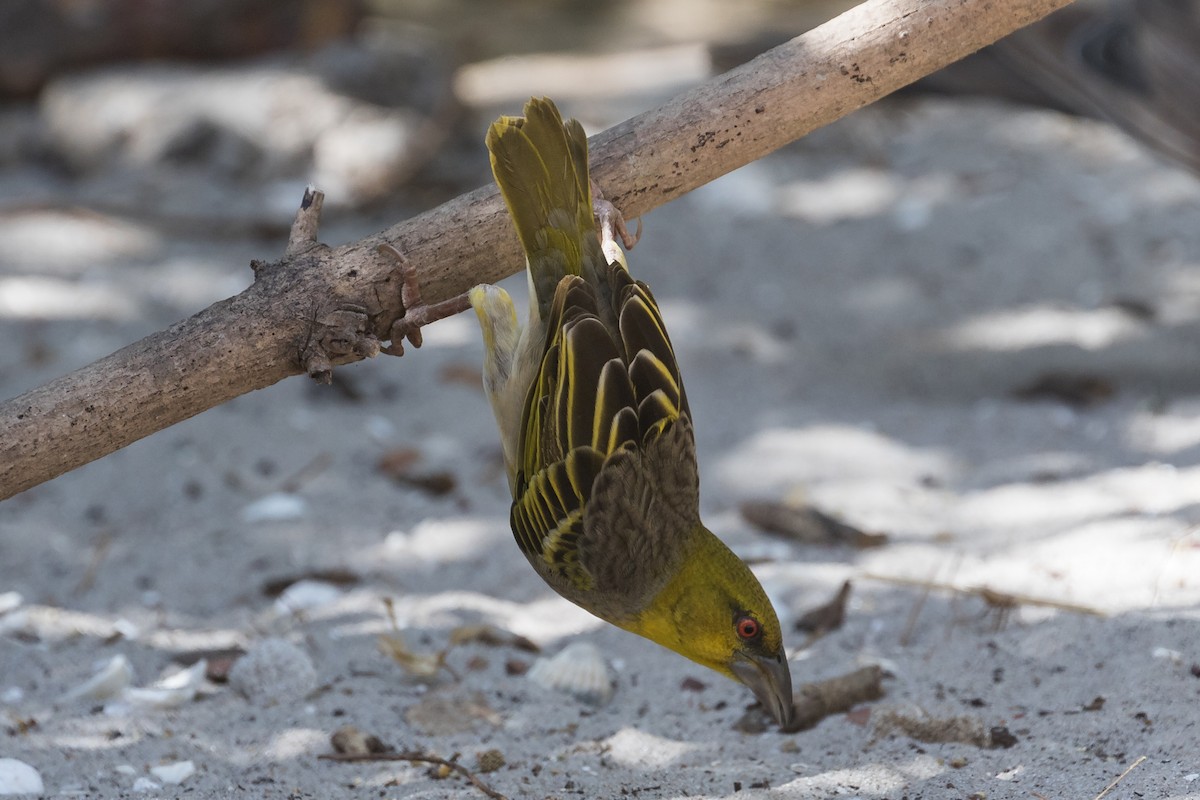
x=320 y=307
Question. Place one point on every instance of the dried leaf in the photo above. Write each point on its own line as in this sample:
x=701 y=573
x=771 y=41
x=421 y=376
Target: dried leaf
x=491 y=635
x=419 y=665
x=1079 y=390
x=828 y=616
x=462 y=374
x=806 y=524
x=397 y=462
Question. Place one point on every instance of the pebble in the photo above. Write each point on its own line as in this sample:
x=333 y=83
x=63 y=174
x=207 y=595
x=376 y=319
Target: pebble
x=273 y=671
x=276 y=507
x=17 y=777
x=10 y=601
x=305 y=595
x=175 y=773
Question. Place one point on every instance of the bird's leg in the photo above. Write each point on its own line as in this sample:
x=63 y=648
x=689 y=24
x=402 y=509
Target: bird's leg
x=610 y=220
x=416 y=312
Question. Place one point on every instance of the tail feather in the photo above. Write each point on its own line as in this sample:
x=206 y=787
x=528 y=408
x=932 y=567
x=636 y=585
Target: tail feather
x=540 y=164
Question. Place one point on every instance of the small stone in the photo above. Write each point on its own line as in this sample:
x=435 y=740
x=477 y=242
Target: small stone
x=1001 y=737
x=489 y=761
x=17 y=777
x=349 y=739
x=276 y=507
x=304 y=595
x=273 y=671
x=10 y=601
x=175 y=773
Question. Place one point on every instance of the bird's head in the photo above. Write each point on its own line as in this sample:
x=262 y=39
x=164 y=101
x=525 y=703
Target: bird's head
x=715 y=612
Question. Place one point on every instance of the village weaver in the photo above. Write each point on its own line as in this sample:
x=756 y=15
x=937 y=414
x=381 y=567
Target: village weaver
x=596 y=430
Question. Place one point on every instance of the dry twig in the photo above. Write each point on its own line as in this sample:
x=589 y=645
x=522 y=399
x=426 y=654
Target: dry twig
x=816 y=701
x=819 y=700
x=1003 y=602
x=416 y=757
x=1119 y=778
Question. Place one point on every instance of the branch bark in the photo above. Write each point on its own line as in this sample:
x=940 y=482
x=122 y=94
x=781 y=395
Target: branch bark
x=320 y=307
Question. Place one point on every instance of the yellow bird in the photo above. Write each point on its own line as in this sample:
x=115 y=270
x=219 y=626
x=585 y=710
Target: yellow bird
x=596 y=430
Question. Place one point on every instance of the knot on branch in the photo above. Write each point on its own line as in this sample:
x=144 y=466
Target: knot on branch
x=338 y=336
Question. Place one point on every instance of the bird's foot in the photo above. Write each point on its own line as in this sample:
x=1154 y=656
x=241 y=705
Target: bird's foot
x=416 y=313
x=611 y=221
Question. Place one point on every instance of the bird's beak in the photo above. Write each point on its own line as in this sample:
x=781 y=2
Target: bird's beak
x=771 y=682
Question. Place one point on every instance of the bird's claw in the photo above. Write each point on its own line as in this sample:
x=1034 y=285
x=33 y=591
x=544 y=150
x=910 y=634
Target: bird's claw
x=611 y=221
x=416 y=313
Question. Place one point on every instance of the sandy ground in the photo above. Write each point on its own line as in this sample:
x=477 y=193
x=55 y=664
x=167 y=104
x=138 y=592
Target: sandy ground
x=852 y=317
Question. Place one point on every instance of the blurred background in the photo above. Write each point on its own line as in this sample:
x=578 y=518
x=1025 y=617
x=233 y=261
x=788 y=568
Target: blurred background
x=965 y=318
x=985 y=287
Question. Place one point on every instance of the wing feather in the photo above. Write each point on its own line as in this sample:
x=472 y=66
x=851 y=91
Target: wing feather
x=606 y=475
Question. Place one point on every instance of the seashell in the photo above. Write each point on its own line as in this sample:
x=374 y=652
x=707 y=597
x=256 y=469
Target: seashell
x=172 y=691
x=578 y=670
x=17 y=777
x=110 y=680
x=177 y=772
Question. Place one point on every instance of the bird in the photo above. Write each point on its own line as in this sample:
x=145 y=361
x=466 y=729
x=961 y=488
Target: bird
x=597 y=434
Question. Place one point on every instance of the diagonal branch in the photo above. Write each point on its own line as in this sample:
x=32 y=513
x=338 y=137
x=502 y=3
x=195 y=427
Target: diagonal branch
x=319 y=307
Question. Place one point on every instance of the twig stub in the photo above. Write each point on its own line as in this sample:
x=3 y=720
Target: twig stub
x=308 y=220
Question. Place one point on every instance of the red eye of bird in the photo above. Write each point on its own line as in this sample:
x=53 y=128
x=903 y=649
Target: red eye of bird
x=748 y=628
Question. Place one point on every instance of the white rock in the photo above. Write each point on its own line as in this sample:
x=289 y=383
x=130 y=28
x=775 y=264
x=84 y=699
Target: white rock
x=125 y=769
x=306 y=594
x=380 y=429
x=276 y=507
x=145 y=785
x=178 y=772
x=126 y=629
x=1167 y=654
x=274 y=671
x=117 y=708
x=17 y=777
x=110 y=679
x=12 y=695
x=10 y=601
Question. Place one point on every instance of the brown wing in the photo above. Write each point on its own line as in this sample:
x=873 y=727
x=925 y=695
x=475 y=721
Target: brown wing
x=607 y=469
